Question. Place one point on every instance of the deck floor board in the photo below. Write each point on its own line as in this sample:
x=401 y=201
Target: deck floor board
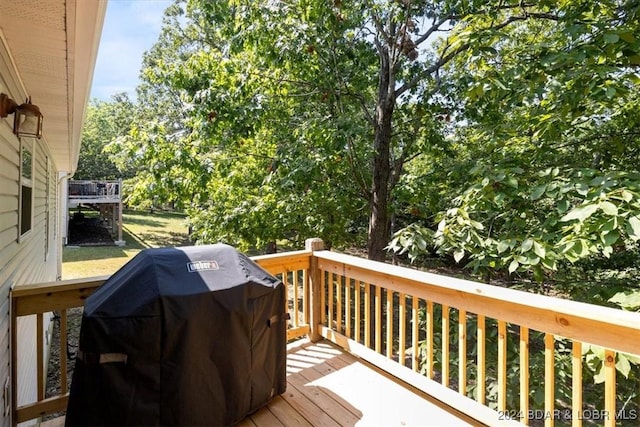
x=328 y=387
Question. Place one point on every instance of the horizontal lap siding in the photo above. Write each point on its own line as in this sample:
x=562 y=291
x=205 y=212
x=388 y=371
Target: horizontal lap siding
x=22 y=260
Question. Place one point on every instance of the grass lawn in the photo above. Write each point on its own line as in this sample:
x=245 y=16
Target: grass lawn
x=140 y=230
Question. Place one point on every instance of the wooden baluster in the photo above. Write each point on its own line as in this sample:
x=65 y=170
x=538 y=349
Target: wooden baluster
x=40 y=354
x=306 y=297
x=524 y=375
x=415 y=334
x=378 y=319
x=402 y=319
x=445 y=345
x=323 y=297
x=356 y=306
x=549 y=379
x=338 y=284
x=285 y=281
x=429 y=318
x=576 y=384
x=482 y=362
x=14 y=361
x=296 y=313
x=347 y=308
x=502 y=366
x=610 y=388
x=330 y=297
x=462 y=352
x=367 y=315
x=389 y=310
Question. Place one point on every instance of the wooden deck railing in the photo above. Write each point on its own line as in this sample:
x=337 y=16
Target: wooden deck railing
x=418 y=326
x=38 y=299
x=393 y=310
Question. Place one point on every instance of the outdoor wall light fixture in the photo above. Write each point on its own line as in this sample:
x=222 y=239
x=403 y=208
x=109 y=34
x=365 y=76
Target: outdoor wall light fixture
x=28 y=118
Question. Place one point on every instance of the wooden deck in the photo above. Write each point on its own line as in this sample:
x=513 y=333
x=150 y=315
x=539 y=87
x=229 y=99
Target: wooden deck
x=328 y=387
x=382 y=314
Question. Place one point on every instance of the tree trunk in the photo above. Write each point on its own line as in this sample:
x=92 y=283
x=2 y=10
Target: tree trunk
x=379 y=219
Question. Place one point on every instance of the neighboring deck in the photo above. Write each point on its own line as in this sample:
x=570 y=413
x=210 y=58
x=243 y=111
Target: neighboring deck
x=94 y=192
x=327 y=386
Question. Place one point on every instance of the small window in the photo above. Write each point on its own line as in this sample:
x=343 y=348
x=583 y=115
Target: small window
x=26 y=189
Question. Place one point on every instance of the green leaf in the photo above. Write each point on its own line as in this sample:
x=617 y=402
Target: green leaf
x=503 y=245
x=583 y=249
x=609 y=208
x=563 y=206
x=549 y=264
x=513 y=266
x=537 y=192
x=512 y=182
x=539 y=250
x=566 y=247
x=580 y=213
x=458 y=255
x=611 y=224
x=611 y=38
x=609 y=237
x=610 y=92
x=532 y=259
x=629 y=300
x=633 y=227
x=582 y=188
x=477 y=225
x=627 y=36
x=598 y=351
x=627 y=196
x=622 y=365
x=526 y=245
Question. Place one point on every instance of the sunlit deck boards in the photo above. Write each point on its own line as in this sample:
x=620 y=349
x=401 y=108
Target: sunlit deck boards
x=328 y=387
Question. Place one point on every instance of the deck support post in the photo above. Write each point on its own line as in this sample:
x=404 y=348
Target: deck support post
x=315 y=280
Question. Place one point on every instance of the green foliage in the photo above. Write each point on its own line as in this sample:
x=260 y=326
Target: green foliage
x=105 y=121
x=543 y=172
x=270 y=120
x=628 y=300
x=557 y=216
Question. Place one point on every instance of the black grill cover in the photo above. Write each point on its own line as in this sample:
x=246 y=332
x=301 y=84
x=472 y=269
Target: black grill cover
x=180 y=336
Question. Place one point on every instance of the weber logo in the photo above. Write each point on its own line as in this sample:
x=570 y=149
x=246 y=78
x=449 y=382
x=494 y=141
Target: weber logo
x=194 y=267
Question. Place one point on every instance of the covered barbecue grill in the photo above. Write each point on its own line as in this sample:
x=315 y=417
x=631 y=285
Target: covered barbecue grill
x=180 y=336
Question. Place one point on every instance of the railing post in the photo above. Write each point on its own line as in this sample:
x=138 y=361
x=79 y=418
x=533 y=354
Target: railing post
x=14 y=360
x=315 y=278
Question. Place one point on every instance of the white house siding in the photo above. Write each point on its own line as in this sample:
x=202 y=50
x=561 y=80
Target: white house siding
x=23 y=258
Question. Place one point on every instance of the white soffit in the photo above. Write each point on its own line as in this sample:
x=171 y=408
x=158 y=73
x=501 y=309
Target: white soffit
x=54 y=44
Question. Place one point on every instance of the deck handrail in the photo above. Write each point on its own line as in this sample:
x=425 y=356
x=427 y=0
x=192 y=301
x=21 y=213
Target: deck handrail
x=393 y=297
x=374 y=309
x=566 y=318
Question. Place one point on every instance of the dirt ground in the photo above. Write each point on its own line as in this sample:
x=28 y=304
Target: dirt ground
x=88 y=231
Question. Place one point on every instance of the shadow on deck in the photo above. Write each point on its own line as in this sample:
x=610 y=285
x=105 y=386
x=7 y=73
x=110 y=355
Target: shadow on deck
x=327 y=386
